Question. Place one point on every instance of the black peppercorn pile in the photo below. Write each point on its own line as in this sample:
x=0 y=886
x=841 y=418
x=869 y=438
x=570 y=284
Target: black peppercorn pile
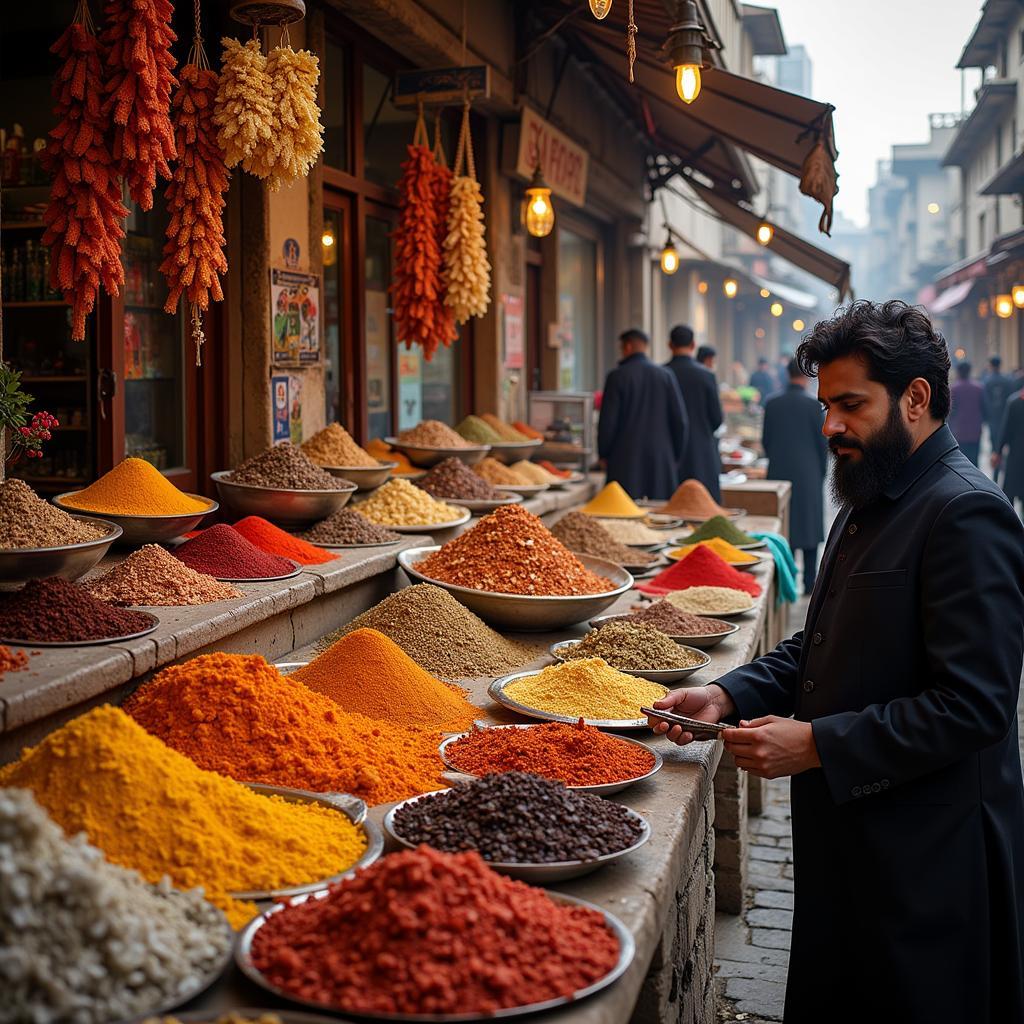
x=518 y=818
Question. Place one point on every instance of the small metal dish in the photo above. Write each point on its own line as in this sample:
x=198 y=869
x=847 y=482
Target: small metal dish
x=496 y=691
x=265 y=579
x=598 y=789
x=425 y=456
x=281 y=505
x=512 y=451
x=481 y=506
x=526 y=612
x=432 y=527
x=730 y=513
x=703 y=641
x=366 y=478
x=69 y=561
x=665 y=676
x=352 y=807
x=661 y=521
x=638 y=569
x=627 y=950
x=20 y=642
x=526 y=490
x=144 y=529
x=536 y=873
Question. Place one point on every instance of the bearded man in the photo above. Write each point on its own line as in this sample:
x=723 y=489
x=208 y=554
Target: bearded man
x=894 y=709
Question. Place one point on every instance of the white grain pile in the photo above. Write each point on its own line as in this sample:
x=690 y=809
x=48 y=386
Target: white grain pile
x=83 y=941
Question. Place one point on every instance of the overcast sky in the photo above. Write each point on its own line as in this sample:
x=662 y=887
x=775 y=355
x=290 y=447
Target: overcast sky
x=884 y=65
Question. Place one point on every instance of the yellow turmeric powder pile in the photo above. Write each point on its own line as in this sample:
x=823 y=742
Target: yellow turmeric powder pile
x=134 y=488
x=149 y=808
x=368 y=672
x=237 y=715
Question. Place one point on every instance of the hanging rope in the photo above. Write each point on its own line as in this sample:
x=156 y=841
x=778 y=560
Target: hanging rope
x=631 y=40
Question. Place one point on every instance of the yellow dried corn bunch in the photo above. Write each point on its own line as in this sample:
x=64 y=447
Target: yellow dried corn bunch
x=244 y=111
x=467 y=270
x=296 y=135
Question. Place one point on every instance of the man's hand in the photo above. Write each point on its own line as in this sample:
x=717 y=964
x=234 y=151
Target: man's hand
x=706 y=703
x=772 y=747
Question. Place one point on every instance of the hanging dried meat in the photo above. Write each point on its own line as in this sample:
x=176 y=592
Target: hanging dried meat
x=194 y=251
x=244 y=111
x=137 y=39
x=84 y=217
x=467 y=270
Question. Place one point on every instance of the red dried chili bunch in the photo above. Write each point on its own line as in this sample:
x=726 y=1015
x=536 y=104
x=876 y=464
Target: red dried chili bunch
x=84 y=218
x=447 y=332
x=194 y=251
x=140 y=77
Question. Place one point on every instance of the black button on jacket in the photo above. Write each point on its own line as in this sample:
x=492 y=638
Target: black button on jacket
x=921 y=868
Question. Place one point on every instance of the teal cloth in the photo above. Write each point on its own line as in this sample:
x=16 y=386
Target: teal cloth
x=785 y=565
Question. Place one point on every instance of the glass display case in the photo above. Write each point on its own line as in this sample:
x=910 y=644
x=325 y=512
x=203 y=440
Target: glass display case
x=566 y=419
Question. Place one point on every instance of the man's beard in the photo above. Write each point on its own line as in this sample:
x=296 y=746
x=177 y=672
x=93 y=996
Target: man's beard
x=883 y=455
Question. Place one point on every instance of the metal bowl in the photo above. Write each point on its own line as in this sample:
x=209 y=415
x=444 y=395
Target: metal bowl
x=281 y=505
x=18 y=565
x=352 y=807
x=627 y=950
x=420 y=455
x=481 y=506
x=366 y=478
x=145 y=529
x=703 y=641
x=512 y=451
x=665 y=676
x=524 y=612
x=535 y=873
x=432 y=527
x=637 y=568
x=526 y=490
x=496 y=691
x=598 y=789
x=730 y=513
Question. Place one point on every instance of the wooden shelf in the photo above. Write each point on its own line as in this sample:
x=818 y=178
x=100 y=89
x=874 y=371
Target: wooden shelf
x=21 y=225
x=48 y=379
x=41 y=304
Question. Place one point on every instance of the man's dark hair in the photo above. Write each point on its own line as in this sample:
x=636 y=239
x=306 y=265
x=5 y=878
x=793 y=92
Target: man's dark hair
x=705 y=352
x=996 y=362
x=794 y=370
x=680 y=336
x=897 y=343
x=634 y=334
x=963 y=370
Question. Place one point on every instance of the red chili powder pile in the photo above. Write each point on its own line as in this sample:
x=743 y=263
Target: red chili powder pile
x=223 y=552
x=272 y=539
x=428 y=932
x=700 y=568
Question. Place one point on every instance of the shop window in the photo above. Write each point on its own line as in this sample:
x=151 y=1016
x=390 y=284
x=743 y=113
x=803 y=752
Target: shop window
x=428 y=390
x=387 y=129
x=335 y=113
x=577 y=312
x=378 y=327
x=334 y=311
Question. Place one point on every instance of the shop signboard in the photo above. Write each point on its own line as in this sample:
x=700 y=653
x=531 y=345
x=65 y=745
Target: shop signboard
x=295 y=317
x=563 y=162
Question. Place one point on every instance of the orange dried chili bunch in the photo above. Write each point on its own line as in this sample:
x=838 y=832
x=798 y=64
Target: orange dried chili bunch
x=417 y=287
x=194 y=251
x=84 y=218
x=442 y=184
x=140 y=77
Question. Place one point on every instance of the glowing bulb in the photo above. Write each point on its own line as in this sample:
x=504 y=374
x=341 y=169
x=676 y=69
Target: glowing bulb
x=1004 y=307
x=776 y=309
x=669 y=259
x=730 y=287
x=600 y=8
x=702 y=287
x=765 y=233
x=798 y=324
x=759 y=333
x=934 y=207
x=765 y=293
x=540 y=214
x=688 y=82
x=327 y=238
x=961 y=353
x=1017 y=291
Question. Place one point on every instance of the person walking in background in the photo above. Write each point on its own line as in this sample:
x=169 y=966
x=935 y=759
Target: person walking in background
x=967 y=411
x=1009 y=439
x=782 y=370
x=700 y=396
x=642 y=430
x=706 y=356
x=797 y=451
x=997 y=390
x=763 y=380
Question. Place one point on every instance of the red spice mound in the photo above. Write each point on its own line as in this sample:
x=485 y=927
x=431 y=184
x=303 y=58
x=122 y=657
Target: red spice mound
x=58 y=611
x=578 y=755
x=12 y=661
x=700 y=568
x=223 y=552
x=512 y=552
x=428 y=932
x=272 y=539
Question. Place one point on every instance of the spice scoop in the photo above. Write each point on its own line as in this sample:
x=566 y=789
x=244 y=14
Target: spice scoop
x=701 y=730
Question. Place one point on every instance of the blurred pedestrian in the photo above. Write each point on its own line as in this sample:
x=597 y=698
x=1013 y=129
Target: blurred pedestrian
x=1008 y=448
x=997 y=390
x=701 y=460
x=706 y=356
x=797 y=451
x=642 y=430
x=763 y=380
x=967 y=411
x=782 y=370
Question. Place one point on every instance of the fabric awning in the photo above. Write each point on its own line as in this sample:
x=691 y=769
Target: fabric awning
x=950 y=298
x=792 y=248
x=789 y=293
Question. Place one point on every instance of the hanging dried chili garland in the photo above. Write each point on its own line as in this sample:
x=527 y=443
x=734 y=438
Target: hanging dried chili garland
x=84 y=217
x=447 y=332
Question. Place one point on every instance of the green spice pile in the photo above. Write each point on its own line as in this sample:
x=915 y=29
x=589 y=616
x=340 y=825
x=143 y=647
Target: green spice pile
x=586 y=535
x=453 y=479
x=518 y=818
x=478 y=431
x=347 y=527
x=287 y=468
x=719 y=526
x=674 y=622
x=26 y=521
x=633 y=646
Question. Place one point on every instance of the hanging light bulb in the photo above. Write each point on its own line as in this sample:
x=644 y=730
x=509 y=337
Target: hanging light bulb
x=798 y=325
x=765 y=293
x=765 y=233
x=1004 y=307
x=328 y=241
x=686 y=51
x=730 y=287
x=539 y=213
x=702 y=287
x=669 y=256
x=1017 y=291
x=776 y=309
x=600 y=8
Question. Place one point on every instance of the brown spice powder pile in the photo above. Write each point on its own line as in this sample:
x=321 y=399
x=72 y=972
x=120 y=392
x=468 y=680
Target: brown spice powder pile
x=285 y=467
x=583 y=533
x=433 y=434
x=335 y=446
x=634 y=646
x=512 y=552
x=497 y=473
x=347 y=526
x=673 y=622
x=453 y=479
x=152 y=576
x=26 y=521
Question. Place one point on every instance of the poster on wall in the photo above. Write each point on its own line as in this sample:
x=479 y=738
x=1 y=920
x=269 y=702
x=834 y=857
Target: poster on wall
x=377 y=362
x=410 y=389
x=514 y=331
x=286 y=408
x=295 y=317
x=567 y=339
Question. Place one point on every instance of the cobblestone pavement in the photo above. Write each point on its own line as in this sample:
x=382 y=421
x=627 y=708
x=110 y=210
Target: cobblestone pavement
x=752 y=950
